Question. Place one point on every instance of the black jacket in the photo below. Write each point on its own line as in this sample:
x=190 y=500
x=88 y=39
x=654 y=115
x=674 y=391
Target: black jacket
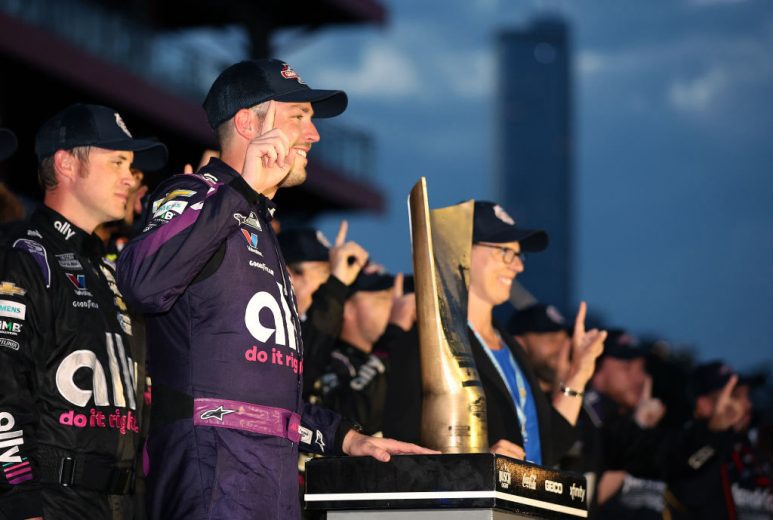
x=67 y=370
x=320 y=328
x=556 y=434
x=402 y=413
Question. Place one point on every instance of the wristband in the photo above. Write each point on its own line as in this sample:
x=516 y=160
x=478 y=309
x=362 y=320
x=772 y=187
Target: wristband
x=570 y=392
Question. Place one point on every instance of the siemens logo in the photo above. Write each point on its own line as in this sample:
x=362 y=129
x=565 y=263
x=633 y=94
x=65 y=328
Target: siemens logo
x=11 y=309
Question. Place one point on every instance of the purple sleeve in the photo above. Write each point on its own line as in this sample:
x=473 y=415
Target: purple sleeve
x=189 y=218
x=323 y=430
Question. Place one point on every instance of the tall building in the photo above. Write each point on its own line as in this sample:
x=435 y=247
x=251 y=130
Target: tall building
x=534 y=148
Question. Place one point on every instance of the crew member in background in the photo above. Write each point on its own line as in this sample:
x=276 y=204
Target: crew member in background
x=68 y=396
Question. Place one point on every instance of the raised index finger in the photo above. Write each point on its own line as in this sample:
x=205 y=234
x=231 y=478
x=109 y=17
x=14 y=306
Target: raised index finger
x=341 y=236
x=397 y=286
x=727 y=390
x=647 y=389
x=268 y=119
x=579 y=321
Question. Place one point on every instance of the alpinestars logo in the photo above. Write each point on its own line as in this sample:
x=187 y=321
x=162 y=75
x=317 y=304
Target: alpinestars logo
x=217 y=413
x=251 y=220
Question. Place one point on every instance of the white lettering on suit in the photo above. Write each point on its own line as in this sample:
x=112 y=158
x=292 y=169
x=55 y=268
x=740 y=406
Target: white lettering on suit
x=283 y=327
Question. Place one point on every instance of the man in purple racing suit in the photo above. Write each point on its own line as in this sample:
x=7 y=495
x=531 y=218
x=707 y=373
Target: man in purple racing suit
x=224 y=341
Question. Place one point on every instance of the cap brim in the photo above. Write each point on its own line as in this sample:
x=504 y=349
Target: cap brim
x=625 y=354
x=531 y=240
x=8 y=143
x=149 y=154
x=372 y=283
x=326 y=103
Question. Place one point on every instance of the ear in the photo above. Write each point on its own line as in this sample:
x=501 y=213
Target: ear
x=66 y=165
x=704 y=406
x=246 y=124
x=350 y=312
x=519 y=340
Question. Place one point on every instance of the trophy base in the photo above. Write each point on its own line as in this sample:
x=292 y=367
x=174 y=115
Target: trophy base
x=428 y=486
x=448 y=514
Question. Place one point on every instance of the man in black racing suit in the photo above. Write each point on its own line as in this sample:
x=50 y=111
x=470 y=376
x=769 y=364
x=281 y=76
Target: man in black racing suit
x=68 y=402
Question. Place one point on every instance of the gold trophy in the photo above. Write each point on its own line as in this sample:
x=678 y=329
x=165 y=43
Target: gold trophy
x=454 y=405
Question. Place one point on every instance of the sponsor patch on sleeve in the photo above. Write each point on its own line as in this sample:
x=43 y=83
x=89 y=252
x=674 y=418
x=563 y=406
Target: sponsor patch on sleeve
x=12 y=309
x=170 y=196
x=11 y=289
x=38 y=252
x=172 y=206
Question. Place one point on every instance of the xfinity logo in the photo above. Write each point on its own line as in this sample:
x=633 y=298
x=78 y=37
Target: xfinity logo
x=554 y=487
x=64 y=228
x=577 y=492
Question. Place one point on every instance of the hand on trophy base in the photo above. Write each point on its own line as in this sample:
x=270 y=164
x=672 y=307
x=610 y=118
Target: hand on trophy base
x=358 y=445
x=508 y=449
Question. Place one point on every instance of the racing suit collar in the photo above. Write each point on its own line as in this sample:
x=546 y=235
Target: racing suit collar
x=351 y=351
x=88 y=245
x=225 y=174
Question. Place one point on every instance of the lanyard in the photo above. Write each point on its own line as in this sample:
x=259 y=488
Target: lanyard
x=520 y=397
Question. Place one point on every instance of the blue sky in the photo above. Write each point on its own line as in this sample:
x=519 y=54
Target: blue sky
x=673 y=150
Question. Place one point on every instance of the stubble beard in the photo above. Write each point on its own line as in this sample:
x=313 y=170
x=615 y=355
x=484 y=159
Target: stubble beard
x=296 y=176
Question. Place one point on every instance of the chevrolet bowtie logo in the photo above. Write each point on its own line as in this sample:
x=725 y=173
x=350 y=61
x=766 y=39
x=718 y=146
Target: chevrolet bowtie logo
x=12 y=289
x=217 y=413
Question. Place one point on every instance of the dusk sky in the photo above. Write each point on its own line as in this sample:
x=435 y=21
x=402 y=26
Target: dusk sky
x=673 y=120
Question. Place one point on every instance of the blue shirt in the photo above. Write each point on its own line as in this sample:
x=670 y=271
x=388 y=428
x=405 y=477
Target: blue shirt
x=523 y=399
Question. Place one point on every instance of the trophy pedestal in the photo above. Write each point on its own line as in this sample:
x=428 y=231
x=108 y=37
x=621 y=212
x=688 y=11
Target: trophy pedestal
x=442 y=487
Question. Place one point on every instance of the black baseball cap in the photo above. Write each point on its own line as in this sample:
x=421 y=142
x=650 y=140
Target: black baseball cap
x=95 y=125
x=148 y=162
x=7 y=143
x=371 y=282
x=249 y=83
x=491 y=223
x=538 y=318
x=713 y=375
x=304 y=245
x=622 y=345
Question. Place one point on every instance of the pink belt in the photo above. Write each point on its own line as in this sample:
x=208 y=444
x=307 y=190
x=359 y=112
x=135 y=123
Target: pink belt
x=249 y=417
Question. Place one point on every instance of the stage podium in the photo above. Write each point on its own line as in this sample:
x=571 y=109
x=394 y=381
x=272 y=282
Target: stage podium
x=443 y=487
